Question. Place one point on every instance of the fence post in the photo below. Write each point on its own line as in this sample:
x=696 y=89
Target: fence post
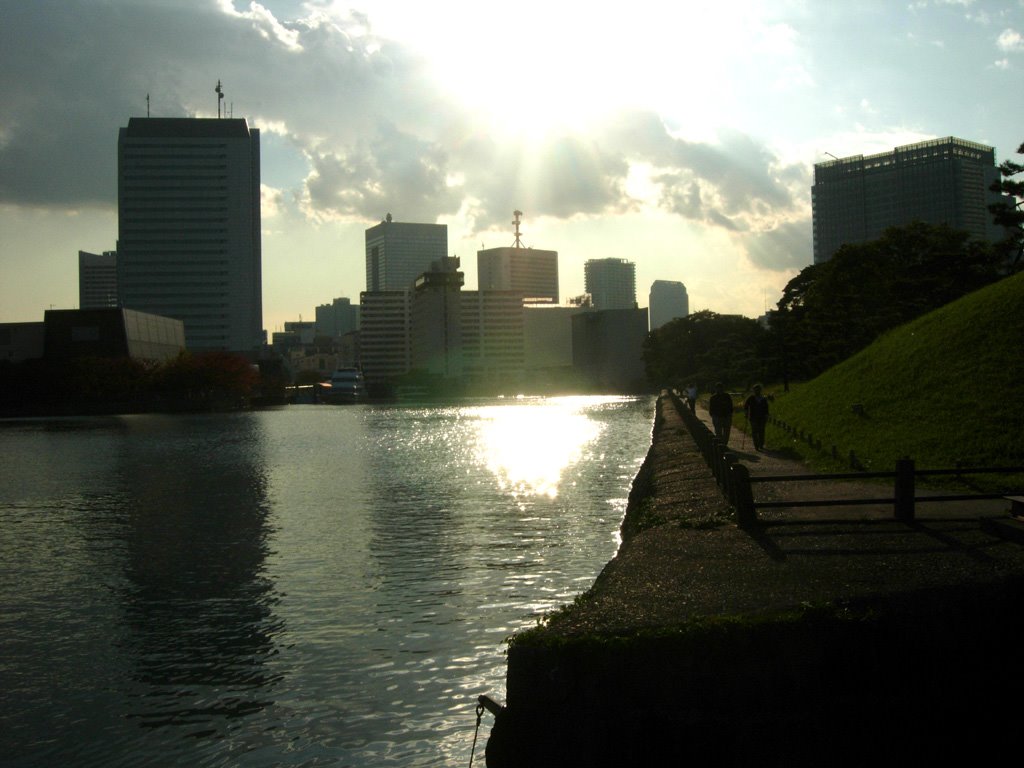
x=746 y=515
x=730 y=477
x=904 y=498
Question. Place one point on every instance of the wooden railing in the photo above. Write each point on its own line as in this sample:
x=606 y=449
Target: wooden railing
x=737 y=483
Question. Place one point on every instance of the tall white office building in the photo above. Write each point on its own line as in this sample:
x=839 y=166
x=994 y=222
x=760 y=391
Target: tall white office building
x=189 y=242
x=611 y=283
x=667 y=301
x=398 y=252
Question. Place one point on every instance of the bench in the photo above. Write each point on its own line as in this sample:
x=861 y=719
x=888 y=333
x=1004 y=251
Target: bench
x=1016 y=505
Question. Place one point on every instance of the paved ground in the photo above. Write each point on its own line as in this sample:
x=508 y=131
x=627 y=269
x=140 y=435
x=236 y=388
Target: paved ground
x=771 y=462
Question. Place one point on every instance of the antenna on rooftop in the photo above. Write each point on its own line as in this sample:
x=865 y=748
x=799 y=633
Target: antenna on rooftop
x=220 y=97
x=147 y=105
x=518 y=243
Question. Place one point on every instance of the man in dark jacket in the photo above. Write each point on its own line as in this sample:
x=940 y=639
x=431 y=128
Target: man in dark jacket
x=720 y=407
x=756 y=408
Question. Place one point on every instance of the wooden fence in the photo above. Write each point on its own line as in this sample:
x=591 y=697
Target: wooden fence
x=737 y=483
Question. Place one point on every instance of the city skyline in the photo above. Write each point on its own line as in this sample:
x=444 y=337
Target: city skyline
x=689 y=157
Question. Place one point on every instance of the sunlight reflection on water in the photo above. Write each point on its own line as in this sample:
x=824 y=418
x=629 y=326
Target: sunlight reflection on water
x=528 y=447
x=304 y=586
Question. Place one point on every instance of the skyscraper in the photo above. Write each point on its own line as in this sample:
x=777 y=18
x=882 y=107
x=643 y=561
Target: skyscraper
x=667 y=301
x=384 y=335
x=189 y=227
x=944 y=181
x=611 y=283
x=97 y=280
x=529 y=271
x=435 y=314
x=398 y=252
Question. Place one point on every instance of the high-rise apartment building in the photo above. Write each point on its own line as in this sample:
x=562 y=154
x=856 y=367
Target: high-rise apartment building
x=97 y=280
x=189 y=227
x=611 y=283
x=944 y=181
x=399 y=252
x=530 y=271
x=667 y=301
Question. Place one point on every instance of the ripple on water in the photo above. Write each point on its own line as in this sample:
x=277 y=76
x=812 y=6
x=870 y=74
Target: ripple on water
x=307 y=586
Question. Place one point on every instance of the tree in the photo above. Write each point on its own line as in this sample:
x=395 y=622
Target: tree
x=705 y=347
x=207 y=380
x=1009 y=213
x=831 y=310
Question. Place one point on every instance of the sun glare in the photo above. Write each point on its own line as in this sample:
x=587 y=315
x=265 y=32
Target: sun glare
x=529 y=446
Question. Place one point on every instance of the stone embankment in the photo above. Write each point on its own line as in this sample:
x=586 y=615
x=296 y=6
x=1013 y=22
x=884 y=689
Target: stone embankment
x=831 y=638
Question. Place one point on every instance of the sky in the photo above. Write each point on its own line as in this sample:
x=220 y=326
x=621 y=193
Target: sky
x=680 y=136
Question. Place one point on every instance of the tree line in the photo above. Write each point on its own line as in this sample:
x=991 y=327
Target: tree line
x=190 y=381
x=828 y=312
x=832 y=310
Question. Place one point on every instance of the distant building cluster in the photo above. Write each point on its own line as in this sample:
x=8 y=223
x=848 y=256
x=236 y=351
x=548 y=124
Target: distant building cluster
x=187 y=271
x=506 y=334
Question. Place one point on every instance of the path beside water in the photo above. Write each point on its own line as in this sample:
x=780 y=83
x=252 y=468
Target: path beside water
x=701 y=641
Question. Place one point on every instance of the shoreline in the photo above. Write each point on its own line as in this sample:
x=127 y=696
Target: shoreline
x=700 y=641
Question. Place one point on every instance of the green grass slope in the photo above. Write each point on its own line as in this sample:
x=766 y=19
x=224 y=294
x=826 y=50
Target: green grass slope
x=946 y=387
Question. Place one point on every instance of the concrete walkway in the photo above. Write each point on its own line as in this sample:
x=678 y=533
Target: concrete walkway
x=689 y=560
x=775 y=461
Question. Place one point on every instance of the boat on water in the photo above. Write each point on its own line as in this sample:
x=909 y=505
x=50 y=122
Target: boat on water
x=346 y=386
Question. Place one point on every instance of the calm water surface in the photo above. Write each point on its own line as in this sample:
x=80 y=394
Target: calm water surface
x=300 y=587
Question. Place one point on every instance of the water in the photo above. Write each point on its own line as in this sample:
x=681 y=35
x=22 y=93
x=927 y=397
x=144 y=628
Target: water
x=300 y=587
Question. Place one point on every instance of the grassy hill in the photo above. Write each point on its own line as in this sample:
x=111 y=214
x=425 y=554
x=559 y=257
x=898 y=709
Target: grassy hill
x=946 y=387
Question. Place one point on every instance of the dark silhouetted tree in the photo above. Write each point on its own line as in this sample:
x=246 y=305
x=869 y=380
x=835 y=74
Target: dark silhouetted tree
x=831 y=310
x=706 y=347
x=1009 y=213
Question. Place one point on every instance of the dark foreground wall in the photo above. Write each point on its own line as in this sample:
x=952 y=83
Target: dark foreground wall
x=929 y=673
x=940 y=676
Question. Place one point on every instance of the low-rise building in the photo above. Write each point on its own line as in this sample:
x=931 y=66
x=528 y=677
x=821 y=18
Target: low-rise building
x=114 y=332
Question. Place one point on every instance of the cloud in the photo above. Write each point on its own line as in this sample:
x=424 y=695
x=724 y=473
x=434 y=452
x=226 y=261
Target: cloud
x=785 y=247
x=369 y=131
x=391 y=170
x=1010 y=41
x=271 y=202
x=264 y=22
x=729 y=184
x=72 y=72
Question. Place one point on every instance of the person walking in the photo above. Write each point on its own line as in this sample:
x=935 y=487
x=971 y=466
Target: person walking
x=720 y=407
x=756 y=408
x=691 y=396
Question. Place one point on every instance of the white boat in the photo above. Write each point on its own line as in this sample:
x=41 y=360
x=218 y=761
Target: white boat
x=346 y=387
